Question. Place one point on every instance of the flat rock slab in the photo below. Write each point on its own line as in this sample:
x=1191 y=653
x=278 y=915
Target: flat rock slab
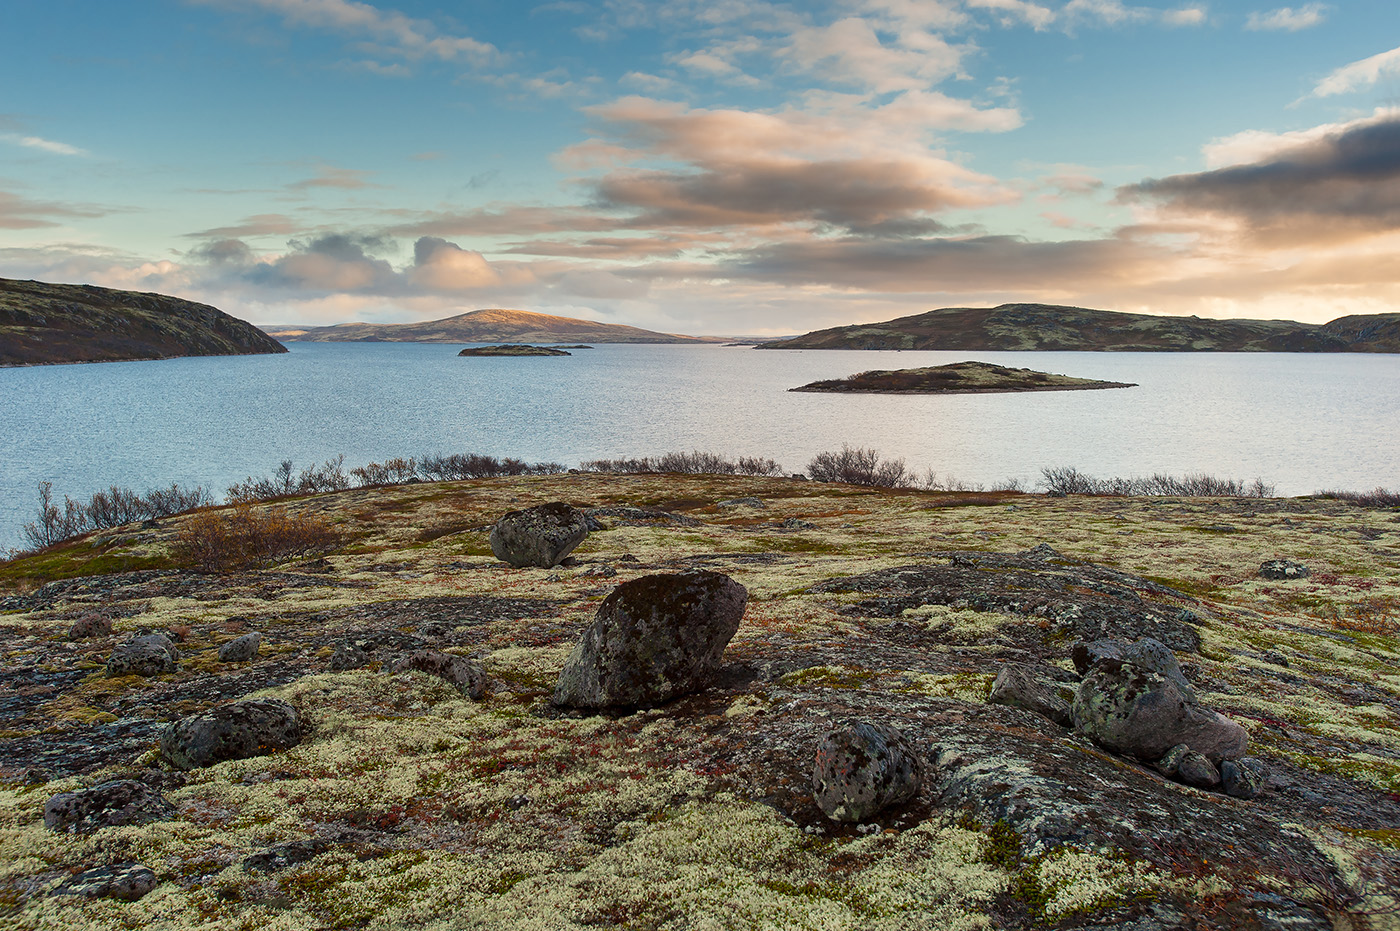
x=655 y=638
x=120 y=801
x=1089 y=601
x=236 y=731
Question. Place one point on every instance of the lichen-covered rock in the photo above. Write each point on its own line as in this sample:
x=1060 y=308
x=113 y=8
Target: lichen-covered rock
x=1171 y=760
x=121 y=801
x=655 y=638
x=235 y=731
x=147 y=655
x=862 y=769
x=1144 y=652
x=348 y=656
x=127 y=881
x=1242 y=778
x=288 y=853
x=241 y=649
x=458 y=671
x=539 y=536
x=1138 y=712
x=1195 y=770
x=90 y=625
x=1282 y=570
x=1035 y=688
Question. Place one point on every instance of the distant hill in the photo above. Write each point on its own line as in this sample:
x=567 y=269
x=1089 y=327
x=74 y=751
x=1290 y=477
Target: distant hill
x=483 y=326
x=1019 y=327
x=45 y=324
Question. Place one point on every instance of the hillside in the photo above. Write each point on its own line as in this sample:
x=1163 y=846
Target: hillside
x=413 y=804
x=45 y=324
x=1021 y=327
x=482 y=326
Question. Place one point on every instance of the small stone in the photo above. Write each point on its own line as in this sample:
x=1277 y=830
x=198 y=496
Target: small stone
x=121 y=801
x=468 y=677
x=1243 y=778
x=281 y=856
x=732 y=503
x=1282 y=570
x=147 y=655
x=539 y=536
x=1195 y=770
x=1171 y=761
x=90 y=625
x=348 y=656
x=240 y=649
x=862 y=769
x=235 y=731
x=127 y=881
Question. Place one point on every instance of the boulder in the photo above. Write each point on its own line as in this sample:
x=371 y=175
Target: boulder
x=240 y=649
x=121 y=801
x=1137 y=712
x=539 y=536
x=348 y=656
x=235 y=731
x=146 y=655
x=127 y=881
x=1034 y=688
x=1144 y=652
x=468 y=677
x=862 y=769
x=1195 y=770
x=1282 y=570
x=1171 y=760
x=655 y=638
x=1243 y=778
x=90 y=625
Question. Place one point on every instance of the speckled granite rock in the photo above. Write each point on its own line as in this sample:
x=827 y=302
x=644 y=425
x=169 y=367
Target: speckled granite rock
x=1141 y=713
x=234 y=731
x=538 y=536
x=121 y=801
x=90 y=625
x=862 y=769
x=240 y=649
x=1282 y=570
x=1144 y=652
x=1243 y=778
x=128 y=881
x=147 y=655
x=655 y=638
x=466 y=676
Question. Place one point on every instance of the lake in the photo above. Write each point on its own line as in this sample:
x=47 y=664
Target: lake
x=1304 y=422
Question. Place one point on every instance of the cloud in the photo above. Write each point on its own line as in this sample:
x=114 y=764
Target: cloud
x=43 y=145
x=1011 y=12
x=21 y=213
x=1337 y=184
x=1288 y=19
x=348 y=179
x=263 y=224
x=1359 y=74
x=851 y=52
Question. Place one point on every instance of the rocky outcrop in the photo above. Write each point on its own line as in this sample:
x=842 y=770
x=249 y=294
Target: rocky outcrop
x=235 y=731
x=146 y=655
x=1137 y=712
x=1282 y=570
x=654 y=639
x=862 y=769
x=457 y=671
x=121 y=801
x=540 y=536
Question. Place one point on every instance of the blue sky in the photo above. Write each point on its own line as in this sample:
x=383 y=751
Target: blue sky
x=737 y=166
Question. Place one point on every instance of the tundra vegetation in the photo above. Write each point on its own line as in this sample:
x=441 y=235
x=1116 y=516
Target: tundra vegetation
x=410 y=805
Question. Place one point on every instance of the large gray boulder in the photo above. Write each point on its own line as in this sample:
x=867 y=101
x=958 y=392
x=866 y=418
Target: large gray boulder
x=655 y=638
x=235 y=731
x=539 y=536
x=1137 y=712
x=458 y=671
x=862 y=769
x=121 y=801
x=1144 y=652
x=146 y=655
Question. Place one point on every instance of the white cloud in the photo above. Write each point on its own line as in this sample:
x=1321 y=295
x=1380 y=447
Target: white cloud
x=1288 y=19
x=1255 y=145
x=43 y=145
x=1359 y=74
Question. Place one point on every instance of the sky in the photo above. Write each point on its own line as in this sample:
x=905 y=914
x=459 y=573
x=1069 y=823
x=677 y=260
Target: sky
x=735 y=167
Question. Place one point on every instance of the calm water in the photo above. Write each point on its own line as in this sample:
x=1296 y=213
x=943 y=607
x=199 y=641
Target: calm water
x=1303 y=422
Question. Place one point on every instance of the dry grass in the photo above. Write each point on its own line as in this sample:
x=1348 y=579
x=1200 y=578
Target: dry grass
x=241 y=537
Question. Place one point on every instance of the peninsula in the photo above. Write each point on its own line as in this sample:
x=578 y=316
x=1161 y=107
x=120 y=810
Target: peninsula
x=48 y=324
x=1051 y=327
x=957 y=378
x=484 y=326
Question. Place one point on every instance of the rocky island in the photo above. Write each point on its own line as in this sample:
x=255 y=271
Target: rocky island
x=957 y=378
x=721 y=700
x=512 y=349
x=45 y=324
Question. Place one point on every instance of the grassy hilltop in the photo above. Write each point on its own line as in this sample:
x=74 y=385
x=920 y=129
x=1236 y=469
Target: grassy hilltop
x=43 y=323
x=418 y=808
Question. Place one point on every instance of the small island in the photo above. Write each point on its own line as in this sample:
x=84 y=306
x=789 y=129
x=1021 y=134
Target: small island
x=957 y=378
x=512 y=349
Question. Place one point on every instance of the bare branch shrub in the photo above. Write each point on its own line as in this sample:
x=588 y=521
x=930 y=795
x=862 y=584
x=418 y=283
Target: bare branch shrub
x=244 y=538
x=105 y=509
x=695 y=462
x=1380 y=498
x=1070 y=481
x=859 y=466
x=389 y=472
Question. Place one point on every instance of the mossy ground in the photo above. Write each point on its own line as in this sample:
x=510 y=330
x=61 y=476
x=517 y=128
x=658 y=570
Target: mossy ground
x=446 y=813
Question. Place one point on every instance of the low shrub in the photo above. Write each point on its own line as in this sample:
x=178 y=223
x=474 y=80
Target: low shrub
x=695 y=462
x=459 y=466
x=105 y=509
x=1380 y=498
x=1066 y=480
x=859 y=466
x=286 y=481
x=243 y=538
